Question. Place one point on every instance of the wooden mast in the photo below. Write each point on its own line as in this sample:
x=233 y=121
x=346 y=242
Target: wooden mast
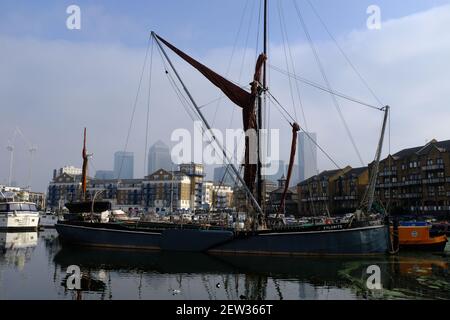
x=261 y=102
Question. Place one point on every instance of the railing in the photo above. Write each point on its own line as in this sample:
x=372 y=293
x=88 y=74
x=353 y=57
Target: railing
x=435 y=208
x=388 y=173
x=315 y=199
x=433 y=167
x=433 y=181
x=409 y=195
x=408 y=183
x=345 y=198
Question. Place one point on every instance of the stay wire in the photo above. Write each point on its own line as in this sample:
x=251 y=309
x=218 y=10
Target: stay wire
x=352 y=65
x=325 y=78
x=148 y=106
x=134 y=108
x=286 y=115
x=232 y=56
x=321 y=87
x=283 y=37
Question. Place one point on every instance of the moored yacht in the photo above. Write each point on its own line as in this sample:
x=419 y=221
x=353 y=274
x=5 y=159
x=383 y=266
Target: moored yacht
x=18 y=216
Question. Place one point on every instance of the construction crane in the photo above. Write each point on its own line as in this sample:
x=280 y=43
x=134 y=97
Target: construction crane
x=32 y=149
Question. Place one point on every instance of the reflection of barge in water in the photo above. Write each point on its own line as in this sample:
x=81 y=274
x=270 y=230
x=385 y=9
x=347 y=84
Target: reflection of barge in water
x=399 y=274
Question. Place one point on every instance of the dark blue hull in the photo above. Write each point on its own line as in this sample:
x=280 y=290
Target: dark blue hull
x=352 y=241
x=108 y=235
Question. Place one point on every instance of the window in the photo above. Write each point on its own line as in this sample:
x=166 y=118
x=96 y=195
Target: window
x=440 y=161
x=429 y=162
x=440 y=174
x=14 y=207
x=403 y=166
x=24 y=207
x=3 y=207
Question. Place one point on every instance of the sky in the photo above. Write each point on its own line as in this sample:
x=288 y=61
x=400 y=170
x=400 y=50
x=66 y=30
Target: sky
x=55 y=81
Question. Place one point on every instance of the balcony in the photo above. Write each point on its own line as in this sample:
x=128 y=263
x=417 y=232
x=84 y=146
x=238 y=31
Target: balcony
x=435 y=208
x=409 y=183
x=314 y=199
x=432 y=167
x=410 y=196
x=433 y=181
x=340 y=198
x=387 y=185
x=387 y=173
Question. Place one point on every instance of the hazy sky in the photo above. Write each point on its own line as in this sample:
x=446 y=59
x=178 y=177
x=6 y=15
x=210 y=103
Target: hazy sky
x=55 y=81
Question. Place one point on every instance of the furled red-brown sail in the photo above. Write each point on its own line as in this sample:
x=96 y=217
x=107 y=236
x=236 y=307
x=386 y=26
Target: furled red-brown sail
x=295 y=130
x=242 y=98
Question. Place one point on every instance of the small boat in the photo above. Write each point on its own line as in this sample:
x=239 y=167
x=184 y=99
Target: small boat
x=21 y=216
x=47 y=219
x=417 y=235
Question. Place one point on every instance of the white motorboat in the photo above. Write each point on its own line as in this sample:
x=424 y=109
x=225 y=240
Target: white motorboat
x=18 y=216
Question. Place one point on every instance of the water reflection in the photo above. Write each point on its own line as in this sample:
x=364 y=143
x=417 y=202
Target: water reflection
x=16 y=247
x=258 y=278
x=33 y=266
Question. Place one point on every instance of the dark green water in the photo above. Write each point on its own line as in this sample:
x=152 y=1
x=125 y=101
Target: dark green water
x=33 y=266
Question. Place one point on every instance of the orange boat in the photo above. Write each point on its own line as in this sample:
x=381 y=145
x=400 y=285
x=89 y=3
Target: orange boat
x=417 y=236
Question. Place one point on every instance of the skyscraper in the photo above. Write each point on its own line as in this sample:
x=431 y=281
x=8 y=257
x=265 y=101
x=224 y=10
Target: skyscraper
x=159 y=158
x=307 y=155
x=123 y=165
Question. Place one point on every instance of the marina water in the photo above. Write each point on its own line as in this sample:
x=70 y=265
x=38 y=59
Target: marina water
x=34 y=265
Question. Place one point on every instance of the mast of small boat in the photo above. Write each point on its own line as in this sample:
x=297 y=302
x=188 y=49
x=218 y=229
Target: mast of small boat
x=84 y=170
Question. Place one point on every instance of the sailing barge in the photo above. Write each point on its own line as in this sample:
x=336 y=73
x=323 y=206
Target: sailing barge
x=362 y=235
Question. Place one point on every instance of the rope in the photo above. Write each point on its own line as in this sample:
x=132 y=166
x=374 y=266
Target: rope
x=303 y=130
x=284 y=38
x=325 y=78
x=134 y=108
x=320 y=87
x=258 y=30
x=148 y=107
x=232 y=55
x=190 y=110
x=344 y=54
